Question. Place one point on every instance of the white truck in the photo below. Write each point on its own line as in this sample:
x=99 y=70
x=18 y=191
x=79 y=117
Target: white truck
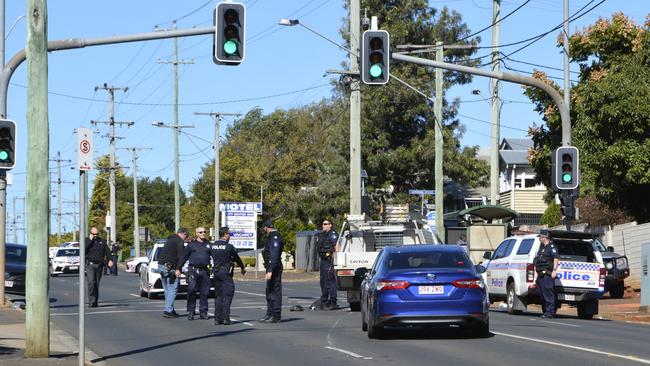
x=510 y=273
x=361 y=240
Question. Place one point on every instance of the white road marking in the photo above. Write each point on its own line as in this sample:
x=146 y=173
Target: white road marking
x=331 y=345
x=250 y=293
x=578 y=348
x=559 y=323
x=134 y=295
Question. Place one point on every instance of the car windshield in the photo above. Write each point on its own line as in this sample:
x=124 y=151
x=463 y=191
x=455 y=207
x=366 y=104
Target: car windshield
x=67 y=253
x=16 y=254
x=428 y=260
x=599 y=246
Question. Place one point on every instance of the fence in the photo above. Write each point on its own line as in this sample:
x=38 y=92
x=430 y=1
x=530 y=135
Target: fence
x=627 y=239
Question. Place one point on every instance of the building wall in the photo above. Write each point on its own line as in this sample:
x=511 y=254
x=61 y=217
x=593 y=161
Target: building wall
x=627 y=239
x=527 y=200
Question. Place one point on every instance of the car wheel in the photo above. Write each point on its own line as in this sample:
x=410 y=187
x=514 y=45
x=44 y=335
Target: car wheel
x=617 y=291
x=374 y=331
x=512 y=299
x=151 y=295
x=482 y=330
x=52 y=273
x=137 y=269
x=364 y=324
x=583 y=312
x=355 y=306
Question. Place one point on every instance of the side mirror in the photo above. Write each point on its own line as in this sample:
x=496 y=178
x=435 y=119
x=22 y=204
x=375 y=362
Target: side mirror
x=487 y=255
x=610 y=249
x=479 y=268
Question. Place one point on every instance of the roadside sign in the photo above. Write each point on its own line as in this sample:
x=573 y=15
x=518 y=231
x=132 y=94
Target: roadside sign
x=84 y=148
x=422 y=191
x=241 y=219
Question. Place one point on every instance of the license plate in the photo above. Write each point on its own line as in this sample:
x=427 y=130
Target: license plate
x=431 y=290
x=569 y=297
x=9 y=283
x=73 y=268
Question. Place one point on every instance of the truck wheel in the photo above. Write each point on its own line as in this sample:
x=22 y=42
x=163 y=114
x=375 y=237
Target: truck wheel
x=583 y=311
x=617 y=291
x=512 y=300
x=355 y=306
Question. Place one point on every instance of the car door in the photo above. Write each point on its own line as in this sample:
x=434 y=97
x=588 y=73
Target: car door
x=497 y=269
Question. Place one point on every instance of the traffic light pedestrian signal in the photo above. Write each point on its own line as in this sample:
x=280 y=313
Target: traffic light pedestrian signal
x=229 y=25
x=566 y=173
x=7 y=144
x=375 y=57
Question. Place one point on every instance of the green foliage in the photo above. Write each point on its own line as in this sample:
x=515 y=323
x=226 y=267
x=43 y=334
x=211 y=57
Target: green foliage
x=248 y=261
x=552 y=216
x=609 y=114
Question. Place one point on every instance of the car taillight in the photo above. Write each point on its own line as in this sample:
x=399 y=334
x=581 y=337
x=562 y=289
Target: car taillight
x=384 y=285
x=345 y=272
x=603 y=274
x=472 y=283
x=530 y=272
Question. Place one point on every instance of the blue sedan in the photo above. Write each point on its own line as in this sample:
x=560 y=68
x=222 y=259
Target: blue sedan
x=424 y=285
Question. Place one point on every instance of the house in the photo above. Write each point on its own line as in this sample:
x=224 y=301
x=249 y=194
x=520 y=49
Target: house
x=516 y=188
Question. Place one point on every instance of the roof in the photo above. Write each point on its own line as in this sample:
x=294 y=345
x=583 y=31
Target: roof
x=490 y=212
x=516 y=144
x=511 y=157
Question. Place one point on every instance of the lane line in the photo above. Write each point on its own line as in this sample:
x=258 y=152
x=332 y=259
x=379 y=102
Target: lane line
x=331 y=344
x=144 y=311
x=577 y=348
x=134 y=295
x=558 y=323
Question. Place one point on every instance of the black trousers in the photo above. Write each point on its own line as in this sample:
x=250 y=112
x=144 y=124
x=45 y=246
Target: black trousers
x=199 y=280
x=274 y=294
x=224 y=290
x=327 y=281
x=93 y=277
x=546 y=286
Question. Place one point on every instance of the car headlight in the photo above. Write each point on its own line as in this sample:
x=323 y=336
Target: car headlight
x=621 y=262
x=609 y=265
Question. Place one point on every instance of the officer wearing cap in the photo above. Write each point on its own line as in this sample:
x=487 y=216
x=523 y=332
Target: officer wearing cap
x=546 y=262
x=197 y=252
x=223 y=255
x=271 y=253
x=326 y=242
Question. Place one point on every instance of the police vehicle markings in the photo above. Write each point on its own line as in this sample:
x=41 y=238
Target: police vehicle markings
x=344 y=351
x=578 y=348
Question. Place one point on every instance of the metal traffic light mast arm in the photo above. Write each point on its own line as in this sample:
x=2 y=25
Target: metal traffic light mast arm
x=72 y=43
x=505 y=76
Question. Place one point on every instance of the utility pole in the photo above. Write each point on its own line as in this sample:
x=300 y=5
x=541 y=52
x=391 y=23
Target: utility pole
x=58 y=182
x=217 y=173
x=355 y=110
x=136 y=224
x=111 y=91
x=439 y=142
x=177 y=194
x=494 y=142
x=3 y=182
x=569 y=195
x=74 y=203
x=37 y=319
x=14 y=221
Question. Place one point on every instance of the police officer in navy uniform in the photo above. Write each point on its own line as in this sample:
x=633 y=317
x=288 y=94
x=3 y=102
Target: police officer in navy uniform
x=326 y=241
x=198 y=254
x=273 y=265
x=97 y=253
x=546 y=262
x=223 y=255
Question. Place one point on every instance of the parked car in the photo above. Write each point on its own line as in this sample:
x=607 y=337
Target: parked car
x=134 y=264
x=15 y=267
x=66 y=260
x=424 y=285
x=150 y=281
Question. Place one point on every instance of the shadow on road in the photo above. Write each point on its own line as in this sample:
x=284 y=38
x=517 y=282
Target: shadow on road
x=152 y=348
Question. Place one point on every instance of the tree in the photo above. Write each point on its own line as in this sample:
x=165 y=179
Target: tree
x=609 y=115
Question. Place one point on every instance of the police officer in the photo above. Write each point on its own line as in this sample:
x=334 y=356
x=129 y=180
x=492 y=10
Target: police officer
x=223 y=255
x=326 y=241
x=271 y=253
x=546 y=262
x=97 y=254
x=115 y=253
x=198 y=254
x=168 y=269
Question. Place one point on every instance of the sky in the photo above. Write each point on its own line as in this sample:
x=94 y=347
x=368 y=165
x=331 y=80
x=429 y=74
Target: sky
x=284 y=67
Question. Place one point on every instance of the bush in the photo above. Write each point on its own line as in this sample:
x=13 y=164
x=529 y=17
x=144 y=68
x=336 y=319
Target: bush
x=552 y=216
x=248 y=261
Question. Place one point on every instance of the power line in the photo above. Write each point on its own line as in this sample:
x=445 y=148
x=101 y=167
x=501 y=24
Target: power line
x=493 y=24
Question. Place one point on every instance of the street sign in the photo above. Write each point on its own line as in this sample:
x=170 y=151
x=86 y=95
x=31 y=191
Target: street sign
x=422 y=191
x=84 y=148
x=241 y=219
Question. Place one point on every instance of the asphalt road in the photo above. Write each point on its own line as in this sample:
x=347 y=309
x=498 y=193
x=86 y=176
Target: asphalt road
x=129 y=330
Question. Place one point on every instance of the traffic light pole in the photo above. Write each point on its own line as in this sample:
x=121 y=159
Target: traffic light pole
x=355 y=111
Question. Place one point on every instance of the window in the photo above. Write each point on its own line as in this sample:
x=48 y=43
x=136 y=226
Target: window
x=15 y=254
x=511 y=244
x=501 y=249
x=428 y=260
x=67 y=253
x=525 y=246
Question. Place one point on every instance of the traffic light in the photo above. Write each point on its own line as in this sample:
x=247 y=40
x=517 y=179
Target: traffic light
x=567 y=205
x=375 y=57
x=7 y=144
x=229 y=25
x=566 y=173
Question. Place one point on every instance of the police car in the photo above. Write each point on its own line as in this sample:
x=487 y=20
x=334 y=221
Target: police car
x=150 y=281
x=510 y=273
x=65 y=260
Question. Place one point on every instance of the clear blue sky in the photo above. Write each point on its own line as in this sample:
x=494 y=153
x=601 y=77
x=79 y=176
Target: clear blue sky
x=284 y=68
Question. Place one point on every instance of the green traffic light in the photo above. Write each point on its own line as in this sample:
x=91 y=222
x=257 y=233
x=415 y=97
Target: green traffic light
x=4 y=155
x=566 y=178
x=376 y=71
x=230 y=47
